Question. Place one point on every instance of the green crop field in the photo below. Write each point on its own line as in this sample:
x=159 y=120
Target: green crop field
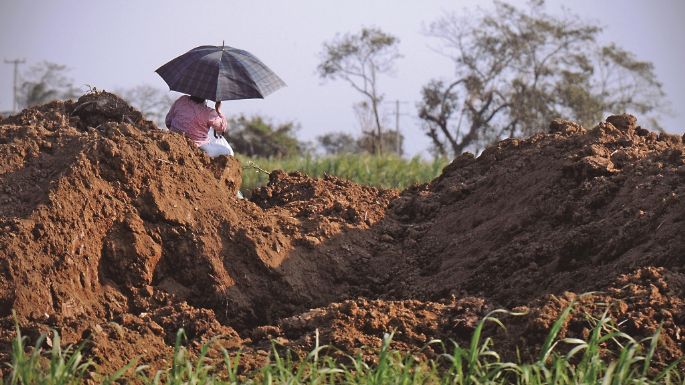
x=381 y=171
x=607 y=356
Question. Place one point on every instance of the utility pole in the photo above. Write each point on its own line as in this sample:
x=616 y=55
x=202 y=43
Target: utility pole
x=398 y=137
x=16 y=63
x=397 y=128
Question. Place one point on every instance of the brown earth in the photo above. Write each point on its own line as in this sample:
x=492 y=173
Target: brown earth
x=120 y=233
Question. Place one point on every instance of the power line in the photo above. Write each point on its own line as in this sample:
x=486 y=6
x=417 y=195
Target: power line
x=16 y=63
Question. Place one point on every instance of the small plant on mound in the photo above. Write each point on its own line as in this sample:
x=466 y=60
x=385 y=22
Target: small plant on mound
x=608 y=356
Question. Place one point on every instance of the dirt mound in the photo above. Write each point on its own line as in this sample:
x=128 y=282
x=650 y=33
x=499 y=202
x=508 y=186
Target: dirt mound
x=102 y=224
x=575 y=210
x=563 y=211
x=121 y=233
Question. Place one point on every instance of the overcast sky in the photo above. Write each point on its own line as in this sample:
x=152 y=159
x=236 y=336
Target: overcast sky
x=115 y=44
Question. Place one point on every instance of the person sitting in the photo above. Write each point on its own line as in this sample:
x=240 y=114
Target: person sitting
x=204 y=125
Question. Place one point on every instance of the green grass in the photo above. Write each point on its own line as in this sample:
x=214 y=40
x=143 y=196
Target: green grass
x=380 y=171
x=607 y=357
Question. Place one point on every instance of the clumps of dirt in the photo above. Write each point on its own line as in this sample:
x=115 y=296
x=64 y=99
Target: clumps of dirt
x=360 y=325
x=51 y=116
x=117 y=232
x=639 y=303
x=199 y=325
x=96 y=108
x=330 y=197
x=91 y=110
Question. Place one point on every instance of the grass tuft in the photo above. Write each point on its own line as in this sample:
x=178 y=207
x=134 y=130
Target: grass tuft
x=607 y=357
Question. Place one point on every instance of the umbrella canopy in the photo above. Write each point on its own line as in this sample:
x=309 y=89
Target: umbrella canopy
x=220 y=73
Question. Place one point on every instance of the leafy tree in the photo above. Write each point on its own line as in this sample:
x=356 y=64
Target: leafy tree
x=342 y=143
x=256 y=136
x=389 y=140
x=153 y=102
x=518 y=69
x=334 y=143
x=359 y=59
x=44 y=82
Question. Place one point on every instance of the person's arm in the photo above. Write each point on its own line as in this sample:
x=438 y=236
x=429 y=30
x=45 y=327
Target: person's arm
x=217 y=120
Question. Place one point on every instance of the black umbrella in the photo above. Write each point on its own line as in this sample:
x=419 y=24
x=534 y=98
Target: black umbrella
x=220 y=73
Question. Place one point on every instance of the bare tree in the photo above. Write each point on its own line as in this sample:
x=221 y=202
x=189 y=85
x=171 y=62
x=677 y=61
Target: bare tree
x=370 y=139
x=44 y=82
x=153 y=102
x=367 y=119
x=518 y=69
x=359 y=59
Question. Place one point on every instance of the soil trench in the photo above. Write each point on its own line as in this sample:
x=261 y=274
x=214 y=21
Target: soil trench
x=118 y=232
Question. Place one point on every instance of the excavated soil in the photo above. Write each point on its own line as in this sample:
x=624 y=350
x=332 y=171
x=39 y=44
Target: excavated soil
x=118 y=233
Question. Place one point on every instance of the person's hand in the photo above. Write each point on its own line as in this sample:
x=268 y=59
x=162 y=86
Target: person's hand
x=217 y=106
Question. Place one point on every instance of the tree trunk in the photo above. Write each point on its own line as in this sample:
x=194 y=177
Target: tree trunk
x=378 y=145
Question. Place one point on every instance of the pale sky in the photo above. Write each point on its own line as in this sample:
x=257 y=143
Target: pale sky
x=117 y=44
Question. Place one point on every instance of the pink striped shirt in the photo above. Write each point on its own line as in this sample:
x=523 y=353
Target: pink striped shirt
x=194 y=119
